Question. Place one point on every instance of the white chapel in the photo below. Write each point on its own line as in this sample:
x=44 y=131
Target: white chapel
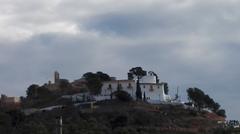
x=150 y=86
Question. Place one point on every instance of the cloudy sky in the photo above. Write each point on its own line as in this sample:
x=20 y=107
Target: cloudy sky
x=189 y=43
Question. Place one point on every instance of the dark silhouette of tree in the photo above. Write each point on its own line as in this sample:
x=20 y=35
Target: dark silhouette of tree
x=221 y=112
x=166 y=90
x=103 y=76
x=136 y=71
x=215 y=108
x=197 y=97
x=138 y=91
x=36 y=92
x=94 y=81
x=32 y=91
x=211 y=104
x=64 y=83
x=202 y=100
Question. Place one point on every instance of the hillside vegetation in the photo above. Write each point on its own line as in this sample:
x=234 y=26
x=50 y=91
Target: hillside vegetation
x=112 y=117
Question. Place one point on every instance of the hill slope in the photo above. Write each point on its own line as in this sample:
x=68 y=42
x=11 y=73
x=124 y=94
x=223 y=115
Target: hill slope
x=114 y=117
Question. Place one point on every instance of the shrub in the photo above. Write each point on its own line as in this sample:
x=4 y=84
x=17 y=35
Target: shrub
x=122 y=95
x=221 y=112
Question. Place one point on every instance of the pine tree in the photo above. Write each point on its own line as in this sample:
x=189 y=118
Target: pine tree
x=138 y=91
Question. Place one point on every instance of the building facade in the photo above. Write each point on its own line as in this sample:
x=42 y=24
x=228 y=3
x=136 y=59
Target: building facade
x=109 y=87
x=153 y=90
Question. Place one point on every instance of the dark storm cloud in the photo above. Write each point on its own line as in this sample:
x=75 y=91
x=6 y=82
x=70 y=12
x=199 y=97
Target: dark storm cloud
x=126 y=24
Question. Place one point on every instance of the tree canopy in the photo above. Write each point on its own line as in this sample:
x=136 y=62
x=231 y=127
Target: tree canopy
x=94 y=81
x=103 y=76
x=34 y=92
x=136 y=71
x=202 y=100
x=64 y=83
x=221 y=112
x=166 y=90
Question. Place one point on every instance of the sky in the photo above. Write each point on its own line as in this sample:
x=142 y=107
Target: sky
x=188 y=43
